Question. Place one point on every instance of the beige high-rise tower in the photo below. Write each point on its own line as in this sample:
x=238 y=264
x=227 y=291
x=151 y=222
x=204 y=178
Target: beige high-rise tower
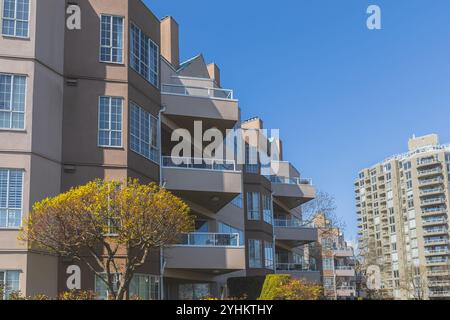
x=403 y=216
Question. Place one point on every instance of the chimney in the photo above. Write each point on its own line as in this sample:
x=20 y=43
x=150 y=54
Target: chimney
x=214 y=73
x=170 y=45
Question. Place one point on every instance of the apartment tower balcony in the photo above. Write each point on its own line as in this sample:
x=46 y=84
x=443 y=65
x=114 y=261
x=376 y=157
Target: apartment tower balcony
x=293 y=234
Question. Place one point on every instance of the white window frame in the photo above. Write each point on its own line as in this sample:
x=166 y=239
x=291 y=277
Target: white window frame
x=269 y=263
x=3 y=296
x=24 y=112
x=139 y=58
x=152 y=144
x=110 y=47
x=7 y=199
x=109 y=122
x=2 y=9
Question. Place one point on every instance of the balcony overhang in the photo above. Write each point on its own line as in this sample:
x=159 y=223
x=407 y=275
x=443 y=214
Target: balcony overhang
x=214 y=260
x=296 y=236
x=345 y=273
x=215 y=112
x=210 y=189
x=293 y=195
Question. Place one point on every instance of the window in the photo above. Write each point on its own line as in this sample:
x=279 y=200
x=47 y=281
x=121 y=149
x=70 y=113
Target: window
x=328 y=264
x=328 y=283
x=253 y=206
x=145 y=287
x=12 y=101
x=268 y=255
x=193 y=291
x=16 y=18
x=101 y=289
x=111 y=33
x=144 y=56
x=254 y=252
x=9 y=283
x=110 y=122
x=267 y=208
x=144 y=133
x=225 y=228
x=11 y=185
x=238 y=201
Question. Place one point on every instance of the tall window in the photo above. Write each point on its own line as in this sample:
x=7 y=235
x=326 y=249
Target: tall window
x=267 y=208
x=111 y=47
x=12 y=101
x=101 y=289
x=110 y=122
x=11 y=190
x=253 y=206
x=16 y=18
x=9 y=282
x=144 y=56
x=328 y=264
x=268 y=255
x=145 y=287
x=144 y=133
x=194 y=291
x=254 y=254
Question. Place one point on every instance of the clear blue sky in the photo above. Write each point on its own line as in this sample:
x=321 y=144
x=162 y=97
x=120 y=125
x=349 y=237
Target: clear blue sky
x=343 y=97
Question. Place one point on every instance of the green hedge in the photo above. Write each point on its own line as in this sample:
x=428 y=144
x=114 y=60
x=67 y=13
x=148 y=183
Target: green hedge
x=249 y=287
x=272 y=282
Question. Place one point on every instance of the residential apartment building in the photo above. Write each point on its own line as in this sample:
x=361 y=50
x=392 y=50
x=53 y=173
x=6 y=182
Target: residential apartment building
x=105 y=101
x=335 y=260
x=402 y=209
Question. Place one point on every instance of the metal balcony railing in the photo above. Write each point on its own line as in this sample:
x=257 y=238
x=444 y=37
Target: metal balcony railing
x=432 y=221
x=430 y=191
x=433 y=201
x=435 y=230
x=210 y=240
x=198 y=164
x=436 y=240
x=439 y=293
x=194 y=91
x=430 y=171
x=437 y=251
x=344 y=268
x=429 y=181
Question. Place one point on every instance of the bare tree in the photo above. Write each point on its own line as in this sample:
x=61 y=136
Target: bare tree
x=414 y=283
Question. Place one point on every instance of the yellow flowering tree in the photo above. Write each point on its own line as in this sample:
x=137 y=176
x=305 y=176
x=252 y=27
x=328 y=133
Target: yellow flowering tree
x=298 y=290
x=111 y=226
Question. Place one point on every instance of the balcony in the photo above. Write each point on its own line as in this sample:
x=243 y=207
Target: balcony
x=293 y=233
x=432 y=191
x=439 y=294
x=292 y=192
x=344 y=271
x=207 y=182
x=215 y=105
x=437 y=261
x=432 y=201
x=437 y=252
x=427 y=162
x=299 y=271
x=436 y=241
x=429 y=172
x=434 y=221
x=217 y=253
x=438 y=273
x=434 y=211
x=343 y=252
x=430 y=182
x=346 y=291
x=435 y=231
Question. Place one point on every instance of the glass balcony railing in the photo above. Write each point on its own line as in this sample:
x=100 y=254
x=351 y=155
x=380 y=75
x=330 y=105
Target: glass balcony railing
x=194 y=91
x=344 y=268
x=292 y=223
x=435 y=230
x=288 y=180
x=198 y=164
x=210 y=240
x=299 y=267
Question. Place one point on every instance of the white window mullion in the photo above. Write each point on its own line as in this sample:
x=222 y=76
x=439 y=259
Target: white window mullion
x=8 y=177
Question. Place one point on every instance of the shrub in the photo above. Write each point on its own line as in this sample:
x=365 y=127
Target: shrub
x=298 y=290
x=271 y=284
x=73 y=295
x=249 y=288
